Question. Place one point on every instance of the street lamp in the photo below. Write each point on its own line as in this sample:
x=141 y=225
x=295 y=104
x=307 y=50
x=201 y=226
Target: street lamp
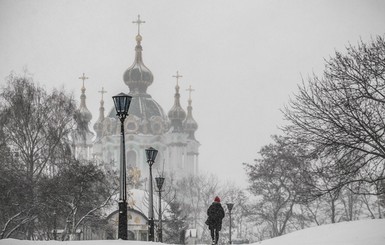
x=68 y=229
x=151 y=155
x=122 y=104
x=230 y=207
x=54 y=225
x=159 y=184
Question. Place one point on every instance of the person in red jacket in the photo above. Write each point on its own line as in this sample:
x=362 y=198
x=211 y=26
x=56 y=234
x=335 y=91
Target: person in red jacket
x=215 y=215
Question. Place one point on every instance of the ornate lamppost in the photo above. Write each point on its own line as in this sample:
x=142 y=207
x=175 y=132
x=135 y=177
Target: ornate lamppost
x=151 y=155
x=230 y=207
x=122 y=103
x=159 y=183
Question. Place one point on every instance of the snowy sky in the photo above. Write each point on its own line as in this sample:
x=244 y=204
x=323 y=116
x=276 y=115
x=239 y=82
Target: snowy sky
x=243 y=58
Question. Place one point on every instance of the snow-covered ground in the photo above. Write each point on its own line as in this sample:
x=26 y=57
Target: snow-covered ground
x=363 y=232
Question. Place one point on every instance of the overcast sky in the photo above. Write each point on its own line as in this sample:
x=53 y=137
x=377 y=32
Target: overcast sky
x=243 y=58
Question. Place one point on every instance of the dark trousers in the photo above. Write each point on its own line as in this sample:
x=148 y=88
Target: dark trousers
x=214 y=235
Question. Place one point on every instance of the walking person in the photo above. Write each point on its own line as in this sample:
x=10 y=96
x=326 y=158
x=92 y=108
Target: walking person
x=215 y=215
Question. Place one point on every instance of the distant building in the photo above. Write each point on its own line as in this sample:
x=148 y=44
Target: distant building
x=172 y=134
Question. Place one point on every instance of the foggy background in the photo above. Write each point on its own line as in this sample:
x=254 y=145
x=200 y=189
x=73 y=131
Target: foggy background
x=243 y=58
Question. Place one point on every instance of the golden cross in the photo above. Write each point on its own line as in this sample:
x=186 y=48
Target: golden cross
x=83 y=77
x=177 y=77
x=139 y=21
x=102 y=92
x=190 y=90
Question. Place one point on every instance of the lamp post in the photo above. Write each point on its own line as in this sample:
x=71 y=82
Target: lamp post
x=159 y=184
x=230 y=207
x=54 y=225
x=68 y=229
x=122 y=104
x=151 y=155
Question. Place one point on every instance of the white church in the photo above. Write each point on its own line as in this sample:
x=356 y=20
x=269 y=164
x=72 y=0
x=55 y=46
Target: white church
x=172 y=134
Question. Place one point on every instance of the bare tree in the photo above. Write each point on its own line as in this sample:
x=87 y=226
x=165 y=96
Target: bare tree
x=274 y=179
x=36 y=125
x=196 y=194
x=342 y=113
x=79 y=190
x=241 y=210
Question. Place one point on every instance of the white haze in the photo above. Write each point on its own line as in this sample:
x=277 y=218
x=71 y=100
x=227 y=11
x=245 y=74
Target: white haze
x=243 y=58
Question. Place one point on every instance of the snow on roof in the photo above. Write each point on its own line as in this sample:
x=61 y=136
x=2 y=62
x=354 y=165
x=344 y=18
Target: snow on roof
x=138 y=200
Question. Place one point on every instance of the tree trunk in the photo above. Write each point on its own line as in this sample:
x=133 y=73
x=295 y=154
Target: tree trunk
x=333 y=214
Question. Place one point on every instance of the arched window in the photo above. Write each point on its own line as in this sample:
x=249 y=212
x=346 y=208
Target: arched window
x=131 y=159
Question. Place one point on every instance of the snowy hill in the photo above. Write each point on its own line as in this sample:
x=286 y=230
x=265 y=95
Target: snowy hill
x=368 y=232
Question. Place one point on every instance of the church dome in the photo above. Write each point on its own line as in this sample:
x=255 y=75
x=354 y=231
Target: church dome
x=83 y=135
x=176 y=113
x=138 y=77
x=85 y=114
x=190 y=125
x=98 y=126
x=143 y=106
x=146 y=116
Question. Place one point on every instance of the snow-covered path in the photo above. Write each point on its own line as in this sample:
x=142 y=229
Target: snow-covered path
x=363 y=232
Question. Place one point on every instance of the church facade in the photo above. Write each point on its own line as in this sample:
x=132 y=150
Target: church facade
x=172 y=134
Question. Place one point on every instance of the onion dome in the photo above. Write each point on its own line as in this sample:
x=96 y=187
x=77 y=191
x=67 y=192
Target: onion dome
x=190 y=125
x=85 y=114
x=177 y=115
x=138 y=77
x=142 y=107
x=83 y=134
x=146 y=116
x=98 y=126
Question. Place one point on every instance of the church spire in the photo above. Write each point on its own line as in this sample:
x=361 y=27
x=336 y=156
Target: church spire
x=83 y=136
x=177 y=114
x=98 y=126
x=85 y=114
x=190 y=125
x=138 y=77
x=138 y=47
x=101 y=108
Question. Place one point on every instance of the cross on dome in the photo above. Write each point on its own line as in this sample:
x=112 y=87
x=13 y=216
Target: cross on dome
x=190 y=90
x=83 y=77
x=139 y=22
x=177 y=76
x=102 y=92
